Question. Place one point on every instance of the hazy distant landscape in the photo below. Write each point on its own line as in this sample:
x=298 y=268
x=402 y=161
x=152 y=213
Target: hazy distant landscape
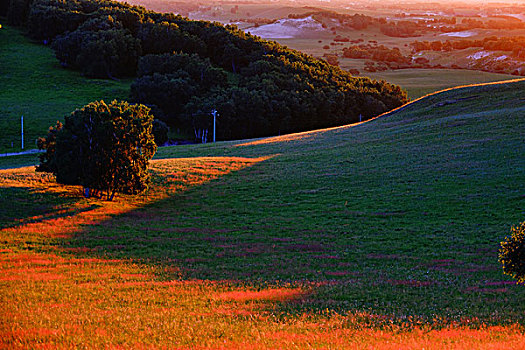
x=372 y=37
x=368 y=170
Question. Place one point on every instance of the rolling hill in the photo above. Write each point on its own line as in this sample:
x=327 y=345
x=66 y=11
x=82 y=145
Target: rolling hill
x=36 y=86
x=380 y=234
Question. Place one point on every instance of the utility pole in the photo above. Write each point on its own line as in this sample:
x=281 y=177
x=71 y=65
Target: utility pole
x=22 y=123
x=215 y=114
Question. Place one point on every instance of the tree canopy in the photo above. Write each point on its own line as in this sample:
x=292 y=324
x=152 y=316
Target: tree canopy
x=512 y=253
x=186 y=68
x=103 y=147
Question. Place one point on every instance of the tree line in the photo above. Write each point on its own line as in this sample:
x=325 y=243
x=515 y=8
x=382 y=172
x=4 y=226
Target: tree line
x=186 y=68
x=514 y=45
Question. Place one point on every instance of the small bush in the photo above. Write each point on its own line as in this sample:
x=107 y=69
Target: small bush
x=48 y=144
x=160 y=132
x=512 y=253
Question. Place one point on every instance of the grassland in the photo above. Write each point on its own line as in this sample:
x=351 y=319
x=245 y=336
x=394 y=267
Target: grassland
x=417 y=82
x=34 y=85
x=420 y=82
x=379 y=235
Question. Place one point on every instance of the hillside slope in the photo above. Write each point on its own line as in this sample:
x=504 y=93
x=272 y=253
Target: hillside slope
x=36 y=86
x=352 y=237
x=497 y=99
x=424 y=194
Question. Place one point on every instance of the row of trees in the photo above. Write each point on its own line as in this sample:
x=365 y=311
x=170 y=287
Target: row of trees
x=376 y=53
x=514 y=45
x=403 y=29
x=186 y=68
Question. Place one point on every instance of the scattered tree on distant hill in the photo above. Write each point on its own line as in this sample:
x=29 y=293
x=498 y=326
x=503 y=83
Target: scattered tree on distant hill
x=331 y=59
x=512 y=253
x=103 y=147
x=401 y=29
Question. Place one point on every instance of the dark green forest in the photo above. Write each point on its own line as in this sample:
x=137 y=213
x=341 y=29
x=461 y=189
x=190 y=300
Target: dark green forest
x=186 y=68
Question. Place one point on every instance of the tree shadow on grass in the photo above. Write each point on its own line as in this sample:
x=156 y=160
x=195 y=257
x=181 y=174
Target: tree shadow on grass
x=23 y=205
x=249 y=231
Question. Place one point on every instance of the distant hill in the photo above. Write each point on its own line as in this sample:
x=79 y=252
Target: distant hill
x=35 y=86
x=186 y=68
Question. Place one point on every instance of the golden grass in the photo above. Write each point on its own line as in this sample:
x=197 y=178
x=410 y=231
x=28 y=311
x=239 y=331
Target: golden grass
x=54 y=299
x=55 y=302
x=169 y=177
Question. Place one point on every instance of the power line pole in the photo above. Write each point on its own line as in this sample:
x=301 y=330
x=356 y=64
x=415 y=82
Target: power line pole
x=22 y=124
x=214 y=113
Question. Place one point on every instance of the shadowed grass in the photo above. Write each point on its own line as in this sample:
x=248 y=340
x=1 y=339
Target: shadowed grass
x=18 y=161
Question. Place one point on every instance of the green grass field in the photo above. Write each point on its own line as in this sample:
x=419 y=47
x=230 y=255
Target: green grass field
x=404 y=213
x=420 y=82
x=372 y=234
x=34 y=85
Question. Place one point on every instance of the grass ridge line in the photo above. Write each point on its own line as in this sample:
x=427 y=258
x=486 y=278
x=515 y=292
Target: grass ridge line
x=386 y=114
x=459 y=87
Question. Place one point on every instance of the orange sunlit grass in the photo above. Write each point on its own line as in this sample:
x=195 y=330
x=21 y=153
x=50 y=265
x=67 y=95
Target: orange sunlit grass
x=169 y=177
x=53 y=300
x=280 y=294
x=55 y=296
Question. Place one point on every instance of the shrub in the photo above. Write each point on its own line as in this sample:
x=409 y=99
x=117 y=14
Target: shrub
x=103 y=147
x=512 y=253
x=160 y=132
x=48 y=143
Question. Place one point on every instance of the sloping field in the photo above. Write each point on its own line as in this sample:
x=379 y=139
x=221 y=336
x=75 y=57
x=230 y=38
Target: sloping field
x=420 y=82
x=34 y=85
x=380 y=235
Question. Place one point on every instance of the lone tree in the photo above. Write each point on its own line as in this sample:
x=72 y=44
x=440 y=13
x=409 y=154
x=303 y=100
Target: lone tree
x=512 y=253
x=103 y=147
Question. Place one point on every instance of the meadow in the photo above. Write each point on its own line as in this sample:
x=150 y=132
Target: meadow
x=378 y=235
x=34 y=85
x=417 y=82
x=420 y=82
